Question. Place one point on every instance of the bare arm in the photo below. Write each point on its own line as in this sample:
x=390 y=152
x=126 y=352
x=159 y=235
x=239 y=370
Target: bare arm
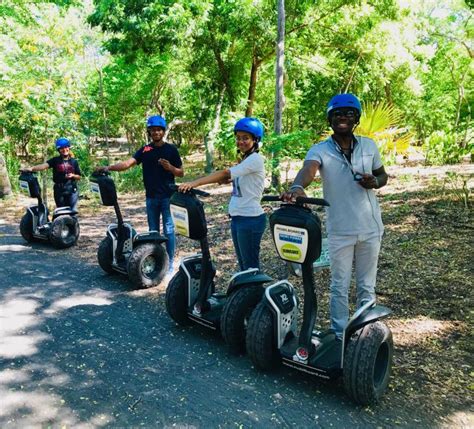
x=175 y=171
x=304 y=177
x=216 y=177
x=73 y=176
x=39 y=167
x=382 y=177
x=376 y=180
x=178 y=172
x=119 y=166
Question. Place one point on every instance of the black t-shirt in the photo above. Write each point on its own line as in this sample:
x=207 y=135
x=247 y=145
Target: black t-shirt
x=61 y=167
x=155 y=178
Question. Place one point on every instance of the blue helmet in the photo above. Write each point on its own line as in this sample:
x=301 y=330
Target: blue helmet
x=343 y=100
x=250 y=125
x=156 y=121
x=62 y=142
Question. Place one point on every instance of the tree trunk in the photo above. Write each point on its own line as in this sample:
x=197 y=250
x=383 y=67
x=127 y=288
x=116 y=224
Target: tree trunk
x=104 y=117
x=5 y=186
x=252 y=85
x=211 y=138
x=279 y=96
x=223 y=69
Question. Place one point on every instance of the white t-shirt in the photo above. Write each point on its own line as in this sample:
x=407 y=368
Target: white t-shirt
x=248 y=181
x=353 y=209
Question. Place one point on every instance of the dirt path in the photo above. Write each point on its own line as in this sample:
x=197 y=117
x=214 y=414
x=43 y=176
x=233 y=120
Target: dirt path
x=79 y=349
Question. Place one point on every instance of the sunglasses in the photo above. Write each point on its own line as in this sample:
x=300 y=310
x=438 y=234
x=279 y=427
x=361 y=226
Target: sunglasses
x=338 y=113
x=244 y=139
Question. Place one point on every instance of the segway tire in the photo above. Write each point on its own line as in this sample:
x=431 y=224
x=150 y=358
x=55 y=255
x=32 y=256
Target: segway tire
x=177 y=299
x=105 y=255
x=368 y=363
x=26 y=227
x=64 y=232
x=236 y=314
x=147 y=265
x=260 y=339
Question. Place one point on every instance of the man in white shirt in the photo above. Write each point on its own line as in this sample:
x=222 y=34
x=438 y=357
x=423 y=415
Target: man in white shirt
x=351 y=168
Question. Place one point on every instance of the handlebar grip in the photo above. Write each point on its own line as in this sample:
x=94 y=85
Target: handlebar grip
x=299 y=200
x=100 y=173
x=175 y=188
x=271 y=198
x=315 y=201
x=201 y=193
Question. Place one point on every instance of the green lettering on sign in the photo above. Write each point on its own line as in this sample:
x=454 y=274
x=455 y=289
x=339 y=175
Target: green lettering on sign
x=291 y=252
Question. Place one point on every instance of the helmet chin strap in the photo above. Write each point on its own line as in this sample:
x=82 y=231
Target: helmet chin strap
x=355 y=126
x=253 y=149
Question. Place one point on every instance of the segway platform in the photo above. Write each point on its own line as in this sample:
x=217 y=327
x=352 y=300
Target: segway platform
x=364 y=354
x=141 y=257
x=62 y=231
x=191 y=296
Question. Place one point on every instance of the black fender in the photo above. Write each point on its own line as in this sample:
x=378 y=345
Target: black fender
x=247 y=279
x=377 y=312
x=149 y=237
x=64 y=211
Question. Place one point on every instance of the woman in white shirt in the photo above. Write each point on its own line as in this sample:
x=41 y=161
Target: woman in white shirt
x=248 y=219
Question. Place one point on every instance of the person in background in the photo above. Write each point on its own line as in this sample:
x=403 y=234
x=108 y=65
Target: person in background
x=66 y=174
x=161 y=164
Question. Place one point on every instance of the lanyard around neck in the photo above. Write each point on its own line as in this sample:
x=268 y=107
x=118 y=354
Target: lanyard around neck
x=344 y=157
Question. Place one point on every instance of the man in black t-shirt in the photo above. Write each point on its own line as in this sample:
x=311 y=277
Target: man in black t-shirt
x=66 y=173
x=161 y=164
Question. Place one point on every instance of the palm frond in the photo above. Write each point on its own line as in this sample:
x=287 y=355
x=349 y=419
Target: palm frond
x=381 y=122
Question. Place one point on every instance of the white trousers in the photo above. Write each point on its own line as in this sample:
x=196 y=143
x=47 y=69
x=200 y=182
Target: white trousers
x=363 y=250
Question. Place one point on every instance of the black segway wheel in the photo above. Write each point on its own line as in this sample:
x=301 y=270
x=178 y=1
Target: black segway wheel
x=236 y=314
x=64 y=232
x=177 y=299
x=26 y=227
x=147 y=265
x=260 y=339
x=368 y=363
x=105 y=255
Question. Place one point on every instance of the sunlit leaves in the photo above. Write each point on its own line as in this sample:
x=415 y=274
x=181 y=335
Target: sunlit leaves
x=382 y=122
x=45 y=75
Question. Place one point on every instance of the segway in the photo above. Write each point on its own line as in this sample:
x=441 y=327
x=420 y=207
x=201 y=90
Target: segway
x=363 y=357
x=191 y=295
x=141 y=257
x=62 y=231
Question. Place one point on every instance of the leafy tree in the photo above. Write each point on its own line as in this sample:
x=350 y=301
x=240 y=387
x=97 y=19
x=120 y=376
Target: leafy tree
x=44 y=70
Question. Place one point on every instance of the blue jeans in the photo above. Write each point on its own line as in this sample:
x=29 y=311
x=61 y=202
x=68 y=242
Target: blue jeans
x=65 y=200
x=155 y=208
x=246 y=234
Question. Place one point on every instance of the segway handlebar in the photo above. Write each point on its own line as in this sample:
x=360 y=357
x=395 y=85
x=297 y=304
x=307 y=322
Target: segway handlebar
x=100 y=174
x=298 y=201
x=175 y=188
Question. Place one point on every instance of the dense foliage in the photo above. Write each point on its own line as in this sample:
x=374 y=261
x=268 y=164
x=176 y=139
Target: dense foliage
x=94 y=71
